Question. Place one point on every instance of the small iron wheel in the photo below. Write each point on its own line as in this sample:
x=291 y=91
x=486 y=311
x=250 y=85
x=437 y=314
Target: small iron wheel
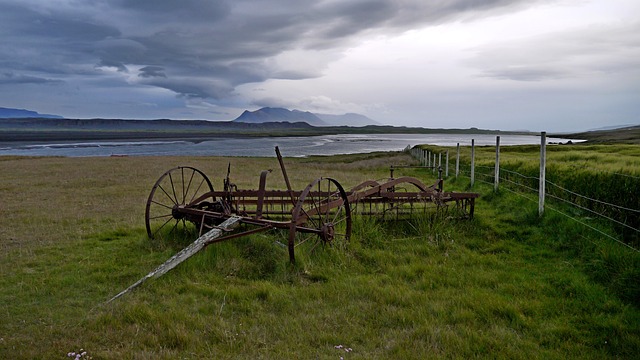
x=175 y=190
x=321 y=217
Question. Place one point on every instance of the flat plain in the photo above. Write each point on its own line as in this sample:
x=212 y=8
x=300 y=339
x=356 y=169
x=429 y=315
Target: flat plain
x=507 y=284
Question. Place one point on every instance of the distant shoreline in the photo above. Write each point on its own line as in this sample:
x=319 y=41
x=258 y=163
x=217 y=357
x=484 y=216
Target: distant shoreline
x=39 y=130
x=48 y=136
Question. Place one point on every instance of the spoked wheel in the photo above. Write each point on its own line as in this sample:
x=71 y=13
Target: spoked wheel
x=321 y=217
x=174 y=190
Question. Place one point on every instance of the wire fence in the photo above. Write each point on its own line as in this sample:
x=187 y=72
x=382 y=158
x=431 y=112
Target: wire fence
x=587 y=210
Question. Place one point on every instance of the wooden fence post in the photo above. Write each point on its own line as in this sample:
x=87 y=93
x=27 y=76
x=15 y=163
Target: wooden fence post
x=439 y=160
x=457 y=160
x=497 y=165
x=543 y=164
x=473 y=162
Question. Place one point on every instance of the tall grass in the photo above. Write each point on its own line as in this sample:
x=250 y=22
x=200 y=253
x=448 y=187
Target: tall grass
x=505 y=285
x=608 y=174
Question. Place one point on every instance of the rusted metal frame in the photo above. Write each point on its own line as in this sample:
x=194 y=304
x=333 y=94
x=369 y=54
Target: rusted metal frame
x=261 y=192
x=457 y=195
x=368 y=183
x=245 y=193
x=264 y=227
x=286 y=177
x=196 y=214
x=321 y=209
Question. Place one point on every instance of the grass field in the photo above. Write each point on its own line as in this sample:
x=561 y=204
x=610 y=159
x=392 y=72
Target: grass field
x=506 y=284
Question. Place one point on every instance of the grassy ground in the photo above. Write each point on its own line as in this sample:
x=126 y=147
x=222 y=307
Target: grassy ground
x=504 y=285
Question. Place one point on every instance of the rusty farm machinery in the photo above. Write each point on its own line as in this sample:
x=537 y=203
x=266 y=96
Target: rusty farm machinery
x=183 y=200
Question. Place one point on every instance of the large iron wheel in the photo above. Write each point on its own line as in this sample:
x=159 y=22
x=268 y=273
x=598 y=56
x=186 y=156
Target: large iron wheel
x=175 y=189
x=321 y=217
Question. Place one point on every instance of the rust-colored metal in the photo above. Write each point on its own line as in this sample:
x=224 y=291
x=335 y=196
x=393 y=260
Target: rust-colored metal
x=319 y=215
x=284 y=174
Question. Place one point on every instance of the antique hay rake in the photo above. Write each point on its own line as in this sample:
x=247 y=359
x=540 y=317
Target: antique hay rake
x=183 y=200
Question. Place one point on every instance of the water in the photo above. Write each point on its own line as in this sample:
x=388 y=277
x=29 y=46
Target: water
x=264 y=146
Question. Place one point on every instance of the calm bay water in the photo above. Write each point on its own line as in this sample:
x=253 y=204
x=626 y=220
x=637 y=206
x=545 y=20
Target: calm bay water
x=289 y=146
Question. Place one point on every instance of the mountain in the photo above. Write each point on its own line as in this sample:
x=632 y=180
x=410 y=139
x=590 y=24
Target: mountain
x=268 y=114
x=22 y=113
x=348 y=119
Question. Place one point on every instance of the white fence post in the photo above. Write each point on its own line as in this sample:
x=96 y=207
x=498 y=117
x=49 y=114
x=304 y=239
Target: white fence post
x=457 y=159
x=434 y=162
x=446 y=167
x=543 y=164
x=473 y=162
x=497 y=165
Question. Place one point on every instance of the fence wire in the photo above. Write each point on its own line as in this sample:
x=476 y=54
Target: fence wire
x=519 y=181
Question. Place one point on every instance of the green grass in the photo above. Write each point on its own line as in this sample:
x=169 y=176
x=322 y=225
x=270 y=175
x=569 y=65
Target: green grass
x=505 y=285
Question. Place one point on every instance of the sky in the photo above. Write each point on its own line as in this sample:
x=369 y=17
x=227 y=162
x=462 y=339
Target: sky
x=538 y=65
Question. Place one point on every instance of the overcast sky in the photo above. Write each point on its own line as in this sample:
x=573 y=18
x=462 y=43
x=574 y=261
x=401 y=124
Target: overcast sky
x=554 y=65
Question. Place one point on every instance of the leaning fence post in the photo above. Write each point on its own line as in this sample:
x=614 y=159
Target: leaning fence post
x=446 y=167
x=543 y=164
x=473 y=162
x=457 y=159
x=497 y=165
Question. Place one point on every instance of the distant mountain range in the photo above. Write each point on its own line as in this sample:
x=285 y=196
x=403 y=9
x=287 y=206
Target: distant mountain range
x=269 y=114
x=260 y=116
x=22 y=113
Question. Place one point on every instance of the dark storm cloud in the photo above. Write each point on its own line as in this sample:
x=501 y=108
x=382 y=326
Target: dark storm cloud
x=202 y=48
x=152 y=71
x=12 y=79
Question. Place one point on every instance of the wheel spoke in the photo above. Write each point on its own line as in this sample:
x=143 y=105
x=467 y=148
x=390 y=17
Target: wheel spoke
x=160 y=228
x=182 y=174
x=166 y=193
x=193 y=172
x=163 y=205
x=197 y=190
x=173 y=188
x=160 y=216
